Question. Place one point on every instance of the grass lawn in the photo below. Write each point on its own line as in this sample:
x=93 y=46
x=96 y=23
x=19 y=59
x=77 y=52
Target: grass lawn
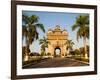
x=31 y=60
x=34 y=59
x=79 y=58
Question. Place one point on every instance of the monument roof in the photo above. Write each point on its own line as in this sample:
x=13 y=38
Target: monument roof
x=57 y=31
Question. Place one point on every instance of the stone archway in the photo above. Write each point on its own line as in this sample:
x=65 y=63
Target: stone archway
x=57 y=39
x=57 y=52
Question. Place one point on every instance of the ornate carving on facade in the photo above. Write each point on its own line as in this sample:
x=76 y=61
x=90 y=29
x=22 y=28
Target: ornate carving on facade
x=57 y=39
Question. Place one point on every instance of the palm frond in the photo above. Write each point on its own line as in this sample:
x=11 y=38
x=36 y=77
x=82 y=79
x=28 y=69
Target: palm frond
x=75 y=26
x=79 y=33
x=25 y=19
x=41 y=26
x=24 y=31
x=34 y=19
x=44 y=42
x=82 y=21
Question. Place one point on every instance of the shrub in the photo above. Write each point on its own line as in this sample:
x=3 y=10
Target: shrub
x=48 y=54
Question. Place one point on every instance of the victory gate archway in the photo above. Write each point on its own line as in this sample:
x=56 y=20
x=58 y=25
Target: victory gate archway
x=57 y=52
x=57 y=39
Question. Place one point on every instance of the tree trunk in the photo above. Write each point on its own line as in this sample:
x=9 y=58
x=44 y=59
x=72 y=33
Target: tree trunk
x=85 y=48
x=26 y=58
x=67 y=51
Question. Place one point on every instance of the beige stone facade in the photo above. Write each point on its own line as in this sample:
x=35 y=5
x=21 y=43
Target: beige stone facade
x=57 y=39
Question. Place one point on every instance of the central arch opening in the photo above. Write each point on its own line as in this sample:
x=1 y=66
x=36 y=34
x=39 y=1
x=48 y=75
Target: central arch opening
x=57 y=52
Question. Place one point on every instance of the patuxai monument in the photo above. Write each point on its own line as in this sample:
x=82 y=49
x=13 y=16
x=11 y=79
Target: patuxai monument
x=57 y=38
x=54 y=39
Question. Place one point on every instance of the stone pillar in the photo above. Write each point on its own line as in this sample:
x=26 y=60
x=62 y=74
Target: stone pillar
x=52 y=51
x=64 y=49
x=62 y=52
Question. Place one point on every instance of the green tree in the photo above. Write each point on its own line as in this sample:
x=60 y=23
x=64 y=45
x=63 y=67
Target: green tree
x=82 y=26
x=29 y=29
x=44 y=44
x=48 y=54
x=69 y=46
x=82 y=50
x=77 y=52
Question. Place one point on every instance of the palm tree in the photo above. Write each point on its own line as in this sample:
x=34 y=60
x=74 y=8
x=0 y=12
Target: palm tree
x=69 y=44
x=82 y=24
x=82 y=50
x=44 y=44
x=29 y=29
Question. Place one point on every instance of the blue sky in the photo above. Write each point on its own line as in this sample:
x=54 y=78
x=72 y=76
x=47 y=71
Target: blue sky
x=50 y=20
